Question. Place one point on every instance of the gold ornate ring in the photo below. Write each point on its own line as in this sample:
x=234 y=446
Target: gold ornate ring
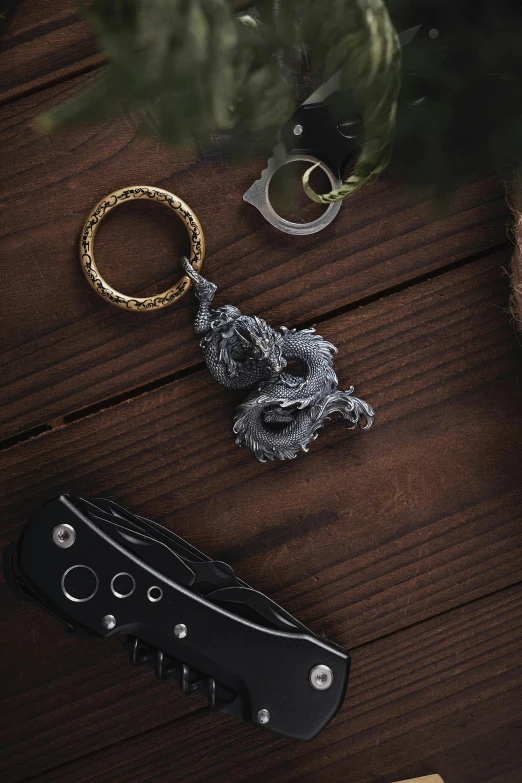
x=90 y=270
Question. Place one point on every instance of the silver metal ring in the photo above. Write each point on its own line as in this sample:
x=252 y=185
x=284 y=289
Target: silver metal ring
x=258 y=195
x=71 y=597
x=123 y=595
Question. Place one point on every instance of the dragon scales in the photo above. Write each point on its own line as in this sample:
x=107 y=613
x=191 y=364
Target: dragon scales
x=284 y=411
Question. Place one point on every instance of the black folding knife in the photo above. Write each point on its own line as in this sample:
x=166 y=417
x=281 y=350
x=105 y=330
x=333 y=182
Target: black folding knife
x=327 y=132
x=107 y=571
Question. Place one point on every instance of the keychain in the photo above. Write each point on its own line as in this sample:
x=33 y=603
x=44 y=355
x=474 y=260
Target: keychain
x=285 y=408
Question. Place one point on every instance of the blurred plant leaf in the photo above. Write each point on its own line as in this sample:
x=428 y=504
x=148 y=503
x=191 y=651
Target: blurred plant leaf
x=188 y=70
x=359 y=39
x=182 y=68
x=185 y=69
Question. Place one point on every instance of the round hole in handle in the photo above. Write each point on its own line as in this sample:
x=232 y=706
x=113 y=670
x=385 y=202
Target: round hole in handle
x=154 y=594
x=123 y=585
x=79 y=583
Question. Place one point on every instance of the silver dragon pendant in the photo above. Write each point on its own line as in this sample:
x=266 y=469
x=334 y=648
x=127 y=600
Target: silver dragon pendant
x=284 y=410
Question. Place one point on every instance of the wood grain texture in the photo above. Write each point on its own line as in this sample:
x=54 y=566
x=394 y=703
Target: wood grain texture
x=45 y=42
x=371 y=534
x=62 y=348
x=444 y=695
x=404 y=543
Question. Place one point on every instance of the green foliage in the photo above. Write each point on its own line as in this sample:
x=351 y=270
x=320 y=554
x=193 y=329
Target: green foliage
x=182 y=68
x=359 y=39
x=186 y=69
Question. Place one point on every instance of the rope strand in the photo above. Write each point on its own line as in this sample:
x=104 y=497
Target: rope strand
x=373 y=68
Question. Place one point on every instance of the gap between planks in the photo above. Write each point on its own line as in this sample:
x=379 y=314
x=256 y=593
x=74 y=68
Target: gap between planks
x=166 y=380
x=454 y=330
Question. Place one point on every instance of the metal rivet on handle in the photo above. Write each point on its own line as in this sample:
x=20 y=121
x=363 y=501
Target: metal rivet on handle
x=180 y=630
x=263 y=716
x=298 y=130
x=64 y=536
x=321 y=677
x=109 y=621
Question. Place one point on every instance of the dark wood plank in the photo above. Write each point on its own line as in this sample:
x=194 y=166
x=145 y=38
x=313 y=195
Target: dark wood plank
x=366 y=535
x=27 y=16
x=62 y=348
x=442 y=697
x=46 y=42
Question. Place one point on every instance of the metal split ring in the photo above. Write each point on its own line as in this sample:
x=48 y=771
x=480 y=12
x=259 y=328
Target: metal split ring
x=90 y=270
x=259 y=194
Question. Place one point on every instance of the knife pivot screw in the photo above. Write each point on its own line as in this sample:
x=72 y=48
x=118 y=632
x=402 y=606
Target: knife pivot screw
x=321 y=677
x=298 y=130
x=109 y=621
x=180 y=631
x=263 y=716
x=64 y=536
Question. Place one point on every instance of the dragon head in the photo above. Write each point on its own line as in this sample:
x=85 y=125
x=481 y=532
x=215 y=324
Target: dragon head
x=261 y=343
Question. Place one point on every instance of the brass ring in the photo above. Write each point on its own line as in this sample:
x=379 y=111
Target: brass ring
x=90 y=270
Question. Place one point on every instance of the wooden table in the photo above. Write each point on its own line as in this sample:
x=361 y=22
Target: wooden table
x=403 y=544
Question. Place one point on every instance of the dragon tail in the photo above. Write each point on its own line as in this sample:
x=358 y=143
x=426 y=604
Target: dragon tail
x=278 y=432
x=355 y=411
